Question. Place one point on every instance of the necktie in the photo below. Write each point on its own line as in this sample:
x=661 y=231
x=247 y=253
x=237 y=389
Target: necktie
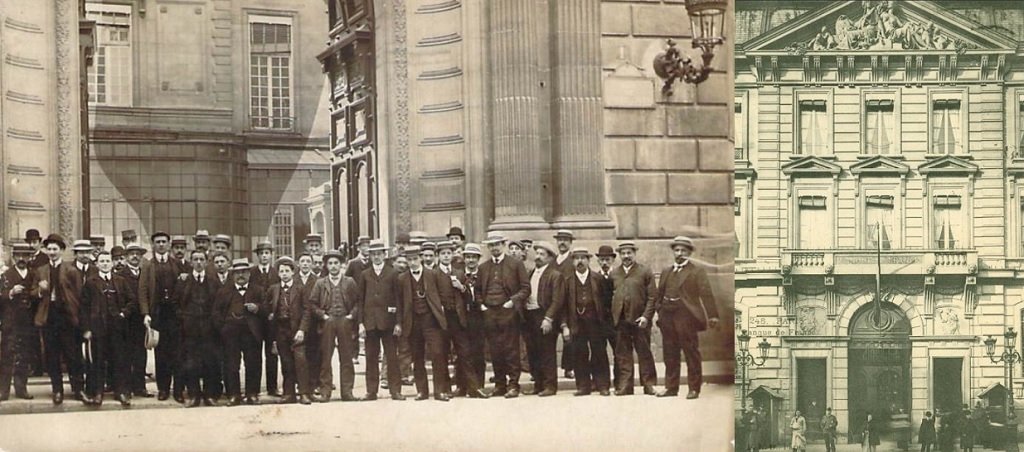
x=495 y=261
x=201 y=279
x=677 y=267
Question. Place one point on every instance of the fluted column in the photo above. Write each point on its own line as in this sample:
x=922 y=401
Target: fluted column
x=578 y=115
x=518 y=200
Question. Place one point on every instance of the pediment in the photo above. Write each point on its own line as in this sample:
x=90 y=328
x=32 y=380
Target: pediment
x=812 y=166
x=948 y=165
x=879 y=27
x=880 y=165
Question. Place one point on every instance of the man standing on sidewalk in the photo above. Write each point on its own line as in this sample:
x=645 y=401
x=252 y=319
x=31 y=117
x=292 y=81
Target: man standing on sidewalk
x=632 y=310
x=379 y=301
x=504 y=287
x=334 y=304
x=828 y=428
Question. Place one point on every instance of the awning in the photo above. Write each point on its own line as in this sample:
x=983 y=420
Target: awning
x=771 y=392
x=287 y=159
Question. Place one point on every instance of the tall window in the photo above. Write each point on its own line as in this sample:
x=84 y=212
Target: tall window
x=947 y=222
x=282 y=231
x=880 y=127
x=815 y=130
x=740 y=227
x=270 y=72
x=740 y=129
x=946 y=126
x=1019 y=153
x=879 y=223
x=814 y=228
x=110 y=76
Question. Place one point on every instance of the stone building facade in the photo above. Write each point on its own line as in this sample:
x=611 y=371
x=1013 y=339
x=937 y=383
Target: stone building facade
x=208 y=115
x=44 y=47
x=878 y=140
x=525 y=117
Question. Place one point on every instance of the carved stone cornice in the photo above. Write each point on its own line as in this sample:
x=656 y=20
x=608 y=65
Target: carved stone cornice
x=880 y=166
x=813 y=166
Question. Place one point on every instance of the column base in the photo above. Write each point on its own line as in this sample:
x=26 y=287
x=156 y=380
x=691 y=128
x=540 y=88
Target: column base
x=594 y=227
x=518 y=223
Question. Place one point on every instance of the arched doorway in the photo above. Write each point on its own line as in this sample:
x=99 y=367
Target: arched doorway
x=879 y=367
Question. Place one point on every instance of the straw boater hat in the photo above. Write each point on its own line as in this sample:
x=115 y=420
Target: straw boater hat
x=377 y=245
x=22 y=249
x=241 y=265
x=201 y=234
x=417 y=237
x=222 y=238
x=581 y=251
x=685 y=242
x=564 y=234
x=135 y=247
x=627 y=245
x=472 y=248
x=81 y=245
x=428 y=246
x=362 y=239
x=445 y=245
x=179 y=240
x=547 y=246
x=412 y=251
x=493 y=238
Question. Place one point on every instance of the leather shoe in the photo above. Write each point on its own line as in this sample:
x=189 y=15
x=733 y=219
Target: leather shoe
x=407 y=382
x=143 y=393
x=305 y=400
x=274 y=392
x=348 y=398
x=162 y=395
x=58 y=398
x=569 y=374
x=370 y=397
x=24 y=395
x=442 y=397
x=667 y=393
x=512 y=393
x=606 y=392
x=289 y=399
x=398 y=397
x=234 y=401
x=422 y=396
x=581 y=392
x=531 y=391
x=460 y=393
x=193 y=403
x=123 y=399
x=79 y=395
x=547 y=393
x=624 y=391
x=498 y=392
x=180 y=398
x=209 y=402
x=478 y=394
x=324 y=397
x=384 y=384
x=692 y=395
x=649 y=390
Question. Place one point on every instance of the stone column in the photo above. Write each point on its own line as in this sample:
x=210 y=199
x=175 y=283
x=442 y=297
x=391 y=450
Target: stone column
x=518 y=193
x=578 y=116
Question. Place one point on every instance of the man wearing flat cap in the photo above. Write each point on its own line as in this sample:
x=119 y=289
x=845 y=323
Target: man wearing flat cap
x=60 y=291
x=136 y=340
x=156 y=303
x=18 y=303
x=632 y=310
x=586 y=319
x=334 y=304
x=238 y=315
x=264 y=276
x=686 y=306
x=504 y=288
x=543 y=314
x=564 y=264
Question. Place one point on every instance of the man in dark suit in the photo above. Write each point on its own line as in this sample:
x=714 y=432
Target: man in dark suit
x=606 y=290
x=457 y=339
x=156 y=287
x=33 y=239
x=361 y=261
x=179 y=249
x=264 y=276
x=504 y=287
x=201 y=242
x=291 y=320
x=195 y=296
x=60 y=292
x=107 y=304
x=18 y=304
x=222 y=244
x=474 y=364
x=586 y=318
x=307 y=278
x=334 y=304
x=686 y=306
x=237 y=315
x=379 y=300
x=458 y=241
x=564 y=264
x=424 y=322
x=543 y=312
x=632 y=309
x=136 y=346
x=221 y=276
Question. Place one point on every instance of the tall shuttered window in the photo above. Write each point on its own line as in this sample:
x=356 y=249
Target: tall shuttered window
x=880 y=127
x=815 y=127
x=110 y=76
x=947 y=125
x=948 y=222
x=270 y=73
x=814 y=230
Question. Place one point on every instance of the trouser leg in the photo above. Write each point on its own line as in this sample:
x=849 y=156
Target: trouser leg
x=232 y=359
x=624 y=354
x=435 y=347
x=136 y=353
x=328 y=341
x=642 y=344
x=373 y=346
x=253 y=362
x=418 y=344
x=286 y=356
x=269 y=358
x=671 y=342
x=393 y=373
x=531 y=333
x=348 y=345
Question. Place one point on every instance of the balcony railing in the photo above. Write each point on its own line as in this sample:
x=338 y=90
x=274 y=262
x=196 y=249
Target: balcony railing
x=893 y=262
x=739 y=154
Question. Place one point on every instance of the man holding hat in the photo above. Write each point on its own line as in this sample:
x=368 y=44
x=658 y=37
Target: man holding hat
x=632 y=309
x=543 y=314
x=18 y=303
x=334 y=305
x=564 y=264
x=362 y=260
x=264 y=276
x=686 y=306
x=586 y=319
x=60 y=291
x=107 y=303
x=156 y=303
x=196 y=295
x=136 y=346
x=424 y=323
x=238 y=315
x=504 y=288
x=379 y=300
x=290 y=322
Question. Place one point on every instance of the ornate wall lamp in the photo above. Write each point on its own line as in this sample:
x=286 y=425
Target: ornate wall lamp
x=707 y=24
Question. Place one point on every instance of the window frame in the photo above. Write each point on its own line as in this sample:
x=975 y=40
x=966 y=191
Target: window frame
x=814 y=95
x=937 y=191
x=276 y=233
x=741 y=127
x=743 y=220
x=272 y=18
x=815 y=190
x=941 y=94
x=872 y=95
x=92 y=73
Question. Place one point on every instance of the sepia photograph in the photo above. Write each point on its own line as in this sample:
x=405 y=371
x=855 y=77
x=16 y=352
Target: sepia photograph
x=879 y=225
x=450 y=225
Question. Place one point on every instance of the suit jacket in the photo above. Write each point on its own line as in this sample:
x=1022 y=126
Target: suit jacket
x=308 y=285
x=606 y=291
x=356 y=267
x=634 y=293
x=133 y=280
x=320 y=297
x=228 y=296
x=697 y=296
x=432 y=281
x=566 y=268
x=27 y=301
x=196 y=317
x=550 y=293
x=378 y=294
x=450 y=296
x=264 y=280
x=70 y=281
x=102 y=315
x=298 y=315
x=514 y=281
x=593 y=283
x=147 y=283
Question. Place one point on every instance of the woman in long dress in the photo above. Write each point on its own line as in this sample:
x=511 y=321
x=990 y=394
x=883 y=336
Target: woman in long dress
x=799 y=427
x=869 y=434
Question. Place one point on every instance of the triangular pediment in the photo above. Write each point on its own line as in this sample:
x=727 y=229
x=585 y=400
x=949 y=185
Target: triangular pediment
x=949 y=164
x=880 y=165
x=812 y=166
x=877 y=27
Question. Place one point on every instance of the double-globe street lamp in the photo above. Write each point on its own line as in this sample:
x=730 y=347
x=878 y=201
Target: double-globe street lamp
x=707 y=25
x=744 y=359
x=1009 y=358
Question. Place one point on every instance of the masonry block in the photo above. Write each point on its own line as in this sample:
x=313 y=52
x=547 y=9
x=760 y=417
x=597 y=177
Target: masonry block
x=660 y=154
x=716 y=154
x=634 y=122
x=704 y=120
x=619 y=153
x=665 y=221
x=616 y=19
x=633 y=188
x=661 y=20
x=700 y=188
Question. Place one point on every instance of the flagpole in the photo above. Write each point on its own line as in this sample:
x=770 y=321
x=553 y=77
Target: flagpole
x=878 y=273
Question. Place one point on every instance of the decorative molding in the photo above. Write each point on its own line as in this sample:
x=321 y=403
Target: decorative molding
x=440 y=74
x=31 y=99
x=442 y=141
x=400 y=86
x=443 y=174
x=442 y=107
x=29 y=135
x=67 y=119
x=441 y=207
x=432 y=41
x=22 y=26
x=881 y=166
x=25 y=62
x=439 y=7
x=31 y=206
x=25 y=170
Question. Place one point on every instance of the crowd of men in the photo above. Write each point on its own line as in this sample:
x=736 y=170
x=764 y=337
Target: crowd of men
x=447 y=301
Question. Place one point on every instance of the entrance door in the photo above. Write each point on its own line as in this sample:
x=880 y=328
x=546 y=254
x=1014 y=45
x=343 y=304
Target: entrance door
x=946 y=373
x=879 y=368
x=811 y=379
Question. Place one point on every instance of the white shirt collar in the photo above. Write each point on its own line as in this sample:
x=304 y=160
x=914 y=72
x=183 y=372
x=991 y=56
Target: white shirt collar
x=105 y=276
x=499 y=258
x=160 y=257
x=22 y=273
x=264 y=268
x=677 y=265
x=285 y=285
x=445 y=268
x=583 y=276
x=378 y=268
x=627 y=269
x=240 y=288
x=57 y=262
x=417 y=274
x=540 y=269
x=198 y=275
x=562 y=257
x=335 y=279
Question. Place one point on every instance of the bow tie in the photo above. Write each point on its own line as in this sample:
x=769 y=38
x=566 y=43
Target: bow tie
x=286 y=286
x=243 y=288
x=416 y=273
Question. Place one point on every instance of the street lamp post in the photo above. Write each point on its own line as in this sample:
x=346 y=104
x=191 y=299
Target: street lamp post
x=1009 y=358
x=744 y=359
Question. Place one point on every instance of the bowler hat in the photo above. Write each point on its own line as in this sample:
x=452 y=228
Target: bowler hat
x=455 y=230
x=241 y=265
x=493 y=238
x=605 y=251
x=564 y=234
x=117 y=251
x=682 y=241
x=32 y=234
x=222 y=238
x=264 y=246
x=335 y=254
x=55 y=238
x=547 y=246
x=472 y=248
x=81 y=245
x=402 y=237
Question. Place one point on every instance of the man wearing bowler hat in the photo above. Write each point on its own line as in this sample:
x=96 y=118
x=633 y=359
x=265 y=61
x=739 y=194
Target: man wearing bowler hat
x=34 y=240
x=156 y=303
x=504 y=288
x=238 y=316
x=586 y=319
x=60 y=291
x=632 y=309
x=458 y=241
x=19 y=287
x=686 y=306
x=606 y=289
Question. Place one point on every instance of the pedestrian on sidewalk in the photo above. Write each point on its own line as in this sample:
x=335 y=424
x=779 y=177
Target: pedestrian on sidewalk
x=869 y=434
x=828 y=428
x=926 y=434
x=799 y=426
